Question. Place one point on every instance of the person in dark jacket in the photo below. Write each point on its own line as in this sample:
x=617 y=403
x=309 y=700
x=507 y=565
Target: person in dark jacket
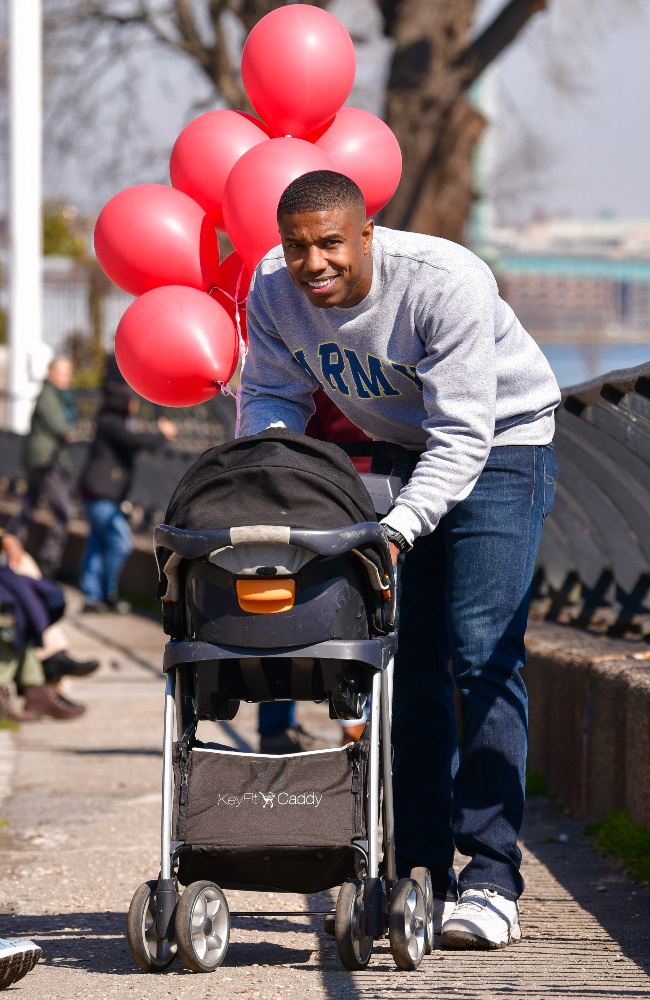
x=104 y=485
x=48 y=466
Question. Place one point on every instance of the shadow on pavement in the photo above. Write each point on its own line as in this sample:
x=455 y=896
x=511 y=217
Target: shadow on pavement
x=597 y=884
x=96 y=942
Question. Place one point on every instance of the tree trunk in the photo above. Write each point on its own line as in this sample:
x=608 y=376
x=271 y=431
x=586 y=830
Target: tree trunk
x=427 y=108
x=436 y=126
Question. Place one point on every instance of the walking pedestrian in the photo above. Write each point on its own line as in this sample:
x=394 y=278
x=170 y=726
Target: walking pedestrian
x=104 y=486
x=48 y=466
x=408 y=334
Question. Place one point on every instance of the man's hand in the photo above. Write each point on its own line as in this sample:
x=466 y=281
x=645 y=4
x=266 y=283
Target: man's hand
x=168 y=428
x=396 y=542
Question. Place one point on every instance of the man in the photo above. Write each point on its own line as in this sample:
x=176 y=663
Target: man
x=48 y=466
x=408 y=335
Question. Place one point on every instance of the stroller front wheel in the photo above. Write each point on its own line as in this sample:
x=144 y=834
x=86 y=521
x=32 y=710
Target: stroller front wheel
x=202 y=927
x=353 y=944
x=149 y=952
x=423 y=878
x=406 y=924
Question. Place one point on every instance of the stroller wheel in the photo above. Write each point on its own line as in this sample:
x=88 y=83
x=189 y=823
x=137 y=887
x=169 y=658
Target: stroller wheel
x=202 y=927
x=148 y=951
x=406 y=920
x=423 y=878
x=354 y=946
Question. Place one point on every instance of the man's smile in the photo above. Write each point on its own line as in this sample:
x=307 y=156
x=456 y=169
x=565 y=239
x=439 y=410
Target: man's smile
x=321 y=284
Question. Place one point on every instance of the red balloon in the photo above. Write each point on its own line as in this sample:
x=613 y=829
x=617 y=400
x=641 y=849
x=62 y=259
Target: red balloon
x=298 y=68
x=364 y=148
x=176 y=346
x=151 y=235
x=232 y=273
x=253 y=190
x=205 y=153
x=256 y=121
x=232 y=285
x=318 y=132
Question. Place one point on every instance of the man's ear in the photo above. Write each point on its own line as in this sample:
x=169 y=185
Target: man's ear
x=367 y=234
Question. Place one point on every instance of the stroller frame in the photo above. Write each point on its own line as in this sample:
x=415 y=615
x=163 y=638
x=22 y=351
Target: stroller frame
x=370 y=907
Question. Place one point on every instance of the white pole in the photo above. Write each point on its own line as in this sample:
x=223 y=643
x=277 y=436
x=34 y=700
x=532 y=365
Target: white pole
x=25 y=226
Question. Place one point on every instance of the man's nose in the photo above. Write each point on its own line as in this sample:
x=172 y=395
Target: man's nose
x=314 y=259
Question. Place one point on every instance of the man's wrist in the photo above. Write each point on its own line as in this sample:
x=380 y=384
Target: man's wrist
x=397 y=538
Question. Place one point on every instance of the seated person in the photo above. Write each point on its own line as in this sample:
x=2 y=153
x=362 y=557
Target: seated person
x=27 y=608
x=53 y=654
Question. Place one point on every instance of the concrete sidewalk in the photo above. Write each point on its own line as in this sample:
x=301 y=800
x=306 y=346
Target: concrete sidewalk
x=81 y=832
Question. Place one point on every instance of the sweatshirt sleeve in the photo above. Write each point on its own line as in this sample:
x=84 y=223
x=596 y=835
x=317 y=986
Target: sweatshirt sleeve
x=458 y=374
x=276 y=391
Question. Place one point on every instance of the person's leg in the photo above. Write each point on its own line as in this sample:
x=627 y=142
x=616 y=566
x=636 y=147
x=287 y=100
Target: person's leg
x=492 y=539
x=118 y=544
x=19 y=524
x=41 y=698
x=91 y=579
x=276 y=716
x=56 y=490
x=424 y=723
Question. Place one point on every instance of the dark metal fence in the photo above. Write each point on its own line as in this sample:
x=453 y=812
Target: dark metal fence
x=593 y=568
x=594 y=561
x=156 y=474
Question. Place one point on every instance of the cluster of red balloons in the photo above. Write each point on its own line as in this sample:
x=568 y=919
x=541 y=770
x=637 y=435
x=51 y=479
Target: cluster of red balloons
x=178 y=343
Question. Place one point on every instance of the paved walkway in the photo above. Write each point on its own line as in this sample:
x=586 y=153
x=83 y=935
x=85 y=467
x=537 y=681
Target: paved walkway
x=80 y=833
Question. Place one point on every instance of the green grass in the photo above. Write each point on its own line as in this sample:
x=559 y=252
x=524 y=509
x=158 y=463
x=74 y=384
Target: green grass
x=618 y=835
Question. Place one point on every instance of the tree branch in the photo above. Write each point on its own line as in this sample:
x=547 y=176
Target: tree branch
x=496 y=37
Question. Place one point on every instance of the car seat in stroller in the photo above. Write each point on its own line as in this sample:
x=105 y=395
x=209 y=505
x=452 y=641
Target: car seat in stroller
x=276 y=583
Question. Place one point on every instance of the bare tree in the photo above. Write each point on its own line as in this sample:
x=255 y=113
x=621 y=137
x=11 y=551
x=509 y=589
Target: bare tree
x=434 y=65
x=436 y=59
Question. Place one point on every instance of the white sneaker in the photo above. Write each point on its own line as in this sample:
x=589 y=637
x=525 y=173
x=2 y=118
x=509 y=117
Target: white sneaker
x=442 y=910
x=482 y=919
x=17 y=958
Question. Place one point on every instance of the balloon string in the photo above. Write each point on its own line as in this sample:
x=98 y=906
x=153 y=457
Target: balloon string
x=243 y=350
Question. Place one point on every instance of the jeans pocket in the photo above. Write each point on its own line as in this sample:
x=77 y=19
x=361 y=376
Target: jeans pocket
x=550 y=471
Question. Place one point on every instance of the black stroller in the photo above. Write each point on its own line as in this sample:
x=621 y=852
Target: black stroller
x=276 y=583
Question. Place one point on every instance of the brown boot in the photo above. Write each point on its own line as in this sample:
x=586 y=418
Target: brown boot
x=43 y=700
x=10 y=711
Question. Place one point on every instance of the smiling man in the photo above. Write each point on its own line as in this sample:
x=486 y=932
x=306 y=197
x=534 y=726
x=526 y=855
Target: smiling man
x=409 y=337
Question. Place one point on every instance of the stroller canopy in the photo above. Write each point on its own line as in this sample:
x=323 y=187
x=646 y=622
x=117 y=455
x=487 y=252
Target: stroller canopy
x=276 y=477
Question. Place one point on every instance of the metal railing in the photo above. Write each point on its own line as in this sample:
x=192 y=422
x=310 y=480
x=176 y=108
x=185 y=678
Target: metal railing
x=593 y=567
x=156 y=474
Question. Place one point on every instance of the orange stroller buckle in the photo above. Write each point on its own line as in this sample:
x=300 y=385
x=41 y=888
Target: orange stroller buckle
x=266 y=597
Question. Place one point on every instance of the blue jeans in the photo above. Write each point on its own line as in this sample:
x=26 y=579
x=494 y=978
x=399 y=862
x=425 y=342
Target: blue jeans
x=464 y=597
x=109 y=544
x=276 y=716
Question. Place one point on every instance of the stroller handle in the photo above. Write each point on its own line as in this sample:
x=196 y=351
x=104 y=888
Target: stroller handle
x=324 y=542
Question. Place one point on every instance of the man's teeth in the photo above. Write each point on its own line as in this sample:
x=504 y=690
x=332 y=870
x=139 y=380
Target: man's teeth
x=320 y=284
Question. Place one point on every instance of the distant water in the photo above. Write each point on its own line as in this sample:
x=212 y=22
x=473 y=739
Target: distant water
x=572 y=364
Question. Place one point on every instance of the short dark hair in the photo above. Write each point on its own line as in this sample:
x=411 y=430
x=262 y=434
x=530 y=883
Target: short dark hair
x=319 y=191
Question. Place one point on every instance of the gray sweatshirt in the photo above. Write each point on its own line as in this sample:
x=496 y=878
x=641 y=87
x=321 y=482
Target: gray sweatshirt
x=432 y=359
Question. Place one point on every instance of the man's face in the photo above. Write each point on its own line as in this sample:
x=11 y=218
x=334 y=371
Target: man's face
x=328 y=255
x=60 y=373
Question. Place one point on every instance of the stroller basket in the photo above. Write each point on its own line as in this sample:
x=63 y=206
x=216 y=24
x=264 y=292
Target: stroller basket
x=291 y=823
